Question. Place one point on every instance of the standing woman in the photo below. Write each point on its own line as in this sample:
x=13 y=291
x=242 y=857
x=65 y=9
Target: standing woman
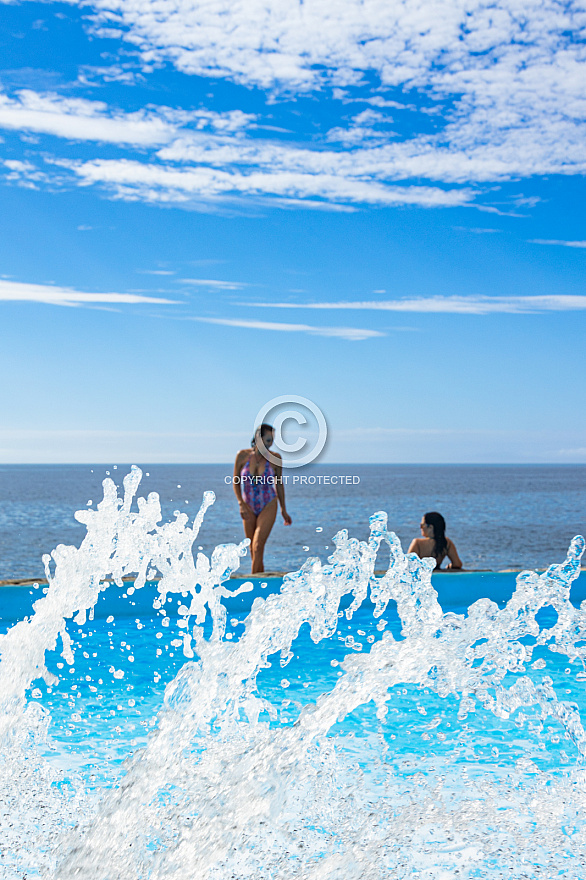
x=434 y=543
x=258 y=486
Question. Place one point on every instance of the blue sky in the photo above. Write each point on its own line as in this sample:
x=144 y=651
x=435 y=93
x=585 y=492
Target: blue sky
x=375 y=205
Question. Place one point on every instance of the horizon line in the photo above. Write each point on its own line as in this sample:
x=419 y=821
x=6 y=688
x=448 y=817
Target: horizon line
x=323 y=464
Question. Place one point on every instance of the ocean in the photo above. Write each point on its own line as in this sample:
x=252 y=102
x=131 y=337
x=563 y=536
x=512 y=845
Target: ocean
x=499 y=516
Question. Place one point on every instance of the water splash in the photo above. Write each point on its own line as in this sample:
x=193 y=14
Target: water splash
x=225 y=788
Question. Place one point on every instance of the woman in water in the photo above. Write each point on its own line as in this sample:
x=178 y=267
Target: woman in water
x=434 y=543
x=258 y=486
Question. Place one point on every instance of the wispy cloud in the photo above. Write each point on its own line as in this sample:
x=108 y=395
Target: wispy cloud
x=25 y=173
x=213 y=283
x=16 y=291
x=166 y=183
x=578 y=452
x=352 y=334
x=82 y=120
x=570 y=244
x=455 y=305
x=156 y=271
x=78 y=119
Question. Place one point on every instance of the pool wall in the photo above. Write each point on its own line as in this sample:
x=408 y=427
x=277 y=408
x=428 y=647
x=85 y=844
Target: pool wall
x=455 y=590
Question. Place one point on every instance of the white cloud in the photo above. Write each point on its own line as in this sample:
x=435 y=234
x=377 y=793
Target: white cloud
x=162 y=183
x=213 y=283
x=299 y=45
x=570 y=244
x=83 y=120
x=512 y=75
x=24 y=173
x=503 y=85
x=353 y=334
x=78 y=119
x=579 y=452
x=156 y=271
x=454 y=305
x=462 y=153
x=16 y=291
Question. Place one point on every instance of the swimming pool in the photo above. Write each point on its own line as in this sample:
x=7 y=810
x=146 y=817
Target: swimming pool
x=330 y=725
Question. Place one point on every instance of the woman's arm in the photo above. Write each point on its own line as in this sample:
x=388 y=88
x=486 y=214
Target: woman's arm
x=455 y=561
x=245 y=510
x=414 y=547
x=278 y=468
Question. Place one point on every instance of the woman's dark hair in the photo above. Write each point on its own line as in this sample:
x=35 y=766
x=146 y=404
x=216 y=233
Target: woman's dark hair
x=263 y=430
x=439 y=532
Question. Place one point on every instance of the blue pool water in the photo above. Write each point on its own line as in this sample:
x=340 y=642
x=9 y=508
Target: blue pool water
x=98 y=719
x=332 y=724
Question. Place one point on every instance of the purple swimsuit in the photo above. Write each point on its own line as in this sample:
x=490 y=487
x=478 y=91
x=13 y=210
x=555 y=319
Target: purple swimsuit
x=258 y=491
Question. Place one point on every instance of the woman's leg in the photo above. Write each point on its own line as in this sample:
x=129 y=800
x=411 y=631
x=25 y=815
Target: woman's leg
x=249 y=529
x=264 y=523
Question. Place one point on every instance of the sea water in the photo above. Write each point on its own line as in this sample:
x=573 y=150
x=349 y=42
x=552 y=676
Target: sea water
x=499 y=516
x=180 y=724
